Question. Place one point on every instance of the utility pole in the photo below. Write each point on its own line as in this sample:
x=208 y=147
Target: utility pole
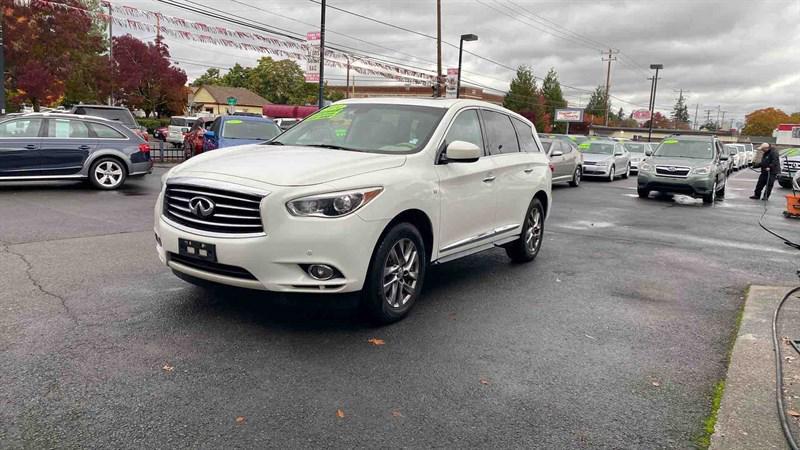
x=321 y=101
x=110 y=56
x=439 y=48
x=718 y=112
x=655 y=67
x=696 y=108
x=708 y=115
x=347 y=88
x=723 y=119
x=611 y=57
x=2 y=71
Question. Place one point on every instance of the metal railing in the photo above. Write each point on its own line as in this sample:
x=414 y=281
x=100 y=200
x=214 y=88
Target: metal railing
x=162 y=152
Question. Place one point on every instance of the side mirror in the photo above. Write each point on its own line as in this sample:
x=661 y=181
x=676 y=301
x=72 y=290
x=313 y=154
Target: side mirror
x=648 y=153
x=723 y=157
x=556 y=153
x=618 y=153
x=460 y=151
x=210 y=134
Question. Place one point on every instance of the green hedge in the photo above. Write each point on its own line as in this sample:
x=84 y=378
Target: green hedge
x=152 y=124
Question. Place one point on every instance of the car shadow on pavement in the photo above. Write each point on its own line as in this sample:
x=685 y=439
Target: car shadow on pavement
x=131 y=187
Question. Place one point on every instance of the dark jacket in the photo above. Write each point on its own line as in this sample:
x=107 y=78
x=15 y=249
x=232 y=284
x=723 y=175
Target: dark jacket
x=771 y=160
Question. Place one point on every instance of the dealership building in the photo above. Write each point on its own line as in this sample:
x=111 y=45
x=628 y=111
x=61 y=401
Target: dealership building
x=787 y=134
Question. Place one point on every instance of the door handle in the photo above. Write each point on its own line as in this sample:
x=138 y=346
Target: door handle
x=30 y=147
x=84 y=147
x=489 y=179
x=528 y=170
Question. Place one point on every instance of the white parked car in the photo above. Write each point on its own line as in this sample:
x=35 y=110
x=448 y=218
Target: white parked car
x=361 y=196
x=743 y=156
x=178 y=126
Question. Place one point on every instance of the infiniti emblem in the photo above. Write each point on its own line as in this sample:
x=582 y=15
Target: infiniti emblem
x=201 y=206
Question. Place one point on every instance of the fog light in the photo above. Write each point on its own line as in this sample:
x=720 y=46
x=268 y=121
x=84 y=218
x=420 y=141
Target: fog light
x=321 y=272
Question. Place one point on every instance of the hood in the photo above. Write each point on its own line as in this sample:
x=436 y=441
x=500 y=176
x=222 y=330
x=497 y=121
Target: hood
x=287 y=165
x=596 y=157
x=685 y=162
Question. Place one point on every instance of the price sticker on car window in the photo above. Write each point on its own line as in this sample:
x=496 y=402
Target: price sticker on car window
x=328 y=113
x=670 y=141
x=234 y=122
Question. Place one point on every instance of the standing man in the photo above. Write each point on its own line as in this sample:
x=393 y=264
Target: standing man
x=770 y=168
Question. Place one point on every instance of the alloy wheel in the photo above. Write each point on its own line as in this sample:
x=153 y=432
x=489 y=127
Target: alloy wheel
x=108 y=173
x=400 y=273
x=577 y=176
x=533 y=230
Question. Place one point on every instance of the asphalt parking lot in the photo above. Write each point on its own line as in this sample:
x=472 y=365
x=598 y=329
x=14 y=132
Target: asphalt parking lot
x=613 y=338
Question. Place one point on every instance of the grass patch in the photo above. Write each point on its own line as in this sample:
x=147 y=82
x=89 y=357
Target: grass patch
x=704 y=440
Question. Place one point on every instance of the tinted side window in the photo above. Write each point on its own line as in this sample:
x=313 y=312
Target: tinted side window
x=105 y=131
x=466 y=127
x=21 y=128
x=216 y=126
x=525 y=136
x=501 y=134
x=64 y=128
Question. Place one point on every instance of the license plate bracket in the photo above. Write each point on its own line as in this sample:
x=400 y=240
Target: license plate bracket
x=197 y=250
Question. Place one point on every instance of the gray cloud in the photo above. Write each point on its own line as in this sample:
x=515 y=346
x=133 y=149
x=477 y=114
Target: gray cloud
x=737 y=54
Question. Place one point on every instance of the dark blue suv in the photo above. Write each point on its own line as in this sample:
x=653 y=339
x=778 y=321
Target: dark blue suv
x=48 y=146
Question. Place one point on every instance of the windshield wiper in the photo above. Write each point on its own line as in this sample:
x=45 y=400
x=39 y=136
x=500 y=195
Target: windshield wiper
x=273 y=143
x=334 y=147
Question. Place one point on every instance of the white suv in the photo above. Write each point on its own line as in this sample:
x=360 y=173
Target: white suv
x=361 y=196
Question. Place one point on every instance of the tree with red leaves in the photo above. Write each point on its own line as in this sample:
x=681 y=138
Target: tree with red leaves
x=144 y=77
x=44 y=45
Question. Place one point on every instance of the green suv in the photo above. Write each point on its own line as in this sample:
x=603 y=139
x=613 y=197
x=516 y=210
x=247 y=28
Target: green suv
x=690 y=165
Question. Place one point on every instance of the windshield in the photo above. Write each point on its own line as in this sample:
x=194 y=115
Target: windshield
x=376 y=128
x=578 y=139
x=674 y=148
x=118 y=114
x=599 y=148
x=634 y=148
x=179 y=122
x=249 y=129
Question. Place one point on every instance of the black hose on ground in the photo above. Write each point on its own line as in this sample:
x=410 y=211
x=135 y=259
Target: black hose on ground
x=787 y=431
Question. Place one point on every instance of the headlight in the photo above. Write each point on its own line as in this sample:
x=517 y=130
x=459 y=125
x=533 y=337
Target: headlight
x=645 y=167
x=603 y=163
x=334 y=204
x=702 y=170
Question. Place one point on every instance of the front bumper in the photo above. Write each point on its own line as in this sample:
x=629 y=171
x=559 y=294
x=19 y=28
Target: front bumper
x=274 y=259
x=635 y=164
x=693 y=185
x=596 y=171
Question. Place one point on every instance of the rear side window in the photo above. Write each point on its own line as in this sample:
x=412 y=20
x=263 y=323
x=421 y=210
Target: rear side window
x=20 y=128
x=500 y=132
x=67 y=129
x=121 y=115
x=525 y=137
x=105 y=131
x=177 y=122
x=466 y=128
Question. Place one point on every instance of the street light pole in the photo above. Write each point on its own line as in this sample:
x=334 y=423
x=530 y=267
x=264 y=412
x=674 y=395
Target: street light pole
x=657 y=67
x=321 y=101
x=468 y=38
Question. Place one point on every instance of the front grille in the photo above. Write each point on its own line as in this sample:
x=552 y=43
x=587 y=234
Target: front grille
x=233 y=212
x=589 y=163
x=673 y=171
x=212 y=267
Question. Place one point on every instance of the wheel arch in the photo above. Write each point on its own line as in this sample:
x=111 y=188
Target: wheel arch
x=421 y=222
x=121 y=157
x=544 y=198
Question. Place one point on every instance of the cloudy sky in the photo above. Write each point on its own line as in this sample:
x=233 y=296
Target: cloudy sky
x=739 y=55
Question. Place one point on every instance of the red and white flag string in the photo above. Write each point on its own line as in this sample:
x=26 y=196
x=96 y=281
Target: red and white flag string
x=220 y=36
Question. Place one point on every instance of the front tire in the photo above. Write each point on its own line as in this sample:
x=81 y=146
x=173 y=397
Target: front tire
x=643 y=193
x=711 y=196
x=527 y=246
x=576 y=178
x=611 y=175
x=627 y=172
x=395 y=276
x=107 y=173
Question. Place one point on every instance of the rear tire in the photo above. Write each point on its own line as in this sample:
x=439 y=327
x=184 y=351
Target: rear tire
x=395 y=276
x=107 y=173
x=576 y=178
x=721 y=192
x=527 y=246
x=785 y=184
x=643 y=193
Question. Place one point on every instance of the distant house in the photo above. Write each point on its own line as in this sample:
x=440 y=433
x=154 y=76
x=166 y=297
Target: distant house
x=210 y=99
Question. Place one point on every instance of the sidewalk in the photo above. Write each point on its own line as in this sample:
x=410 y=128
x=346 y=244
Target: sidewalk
x=748 y=416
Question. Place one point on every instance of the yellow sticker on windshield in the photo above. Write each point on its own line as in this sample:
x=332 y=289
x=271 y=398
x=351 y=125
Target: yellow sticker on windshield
x=328 y=113
x=585 y=145
x=670 y=141
x=233 y=122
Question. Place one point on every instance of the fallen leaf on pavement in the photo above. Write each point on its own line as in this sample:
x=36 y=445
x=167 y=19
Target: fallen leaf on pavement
x=376 y=341
x=656 y=384
x=484 y=381
x=167 y=368
x=790 y=358
x=340 y=413
x=397 y=414
x=240 y=419
x=793 y=413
